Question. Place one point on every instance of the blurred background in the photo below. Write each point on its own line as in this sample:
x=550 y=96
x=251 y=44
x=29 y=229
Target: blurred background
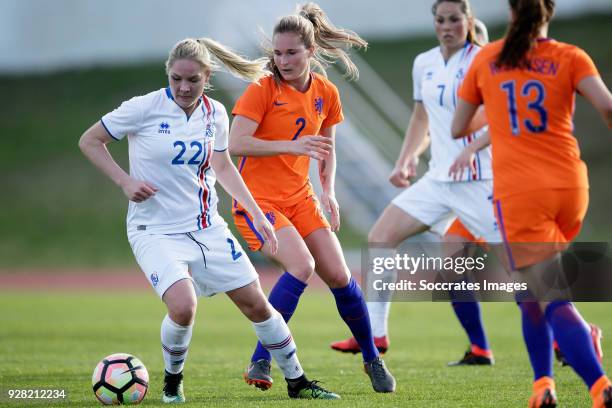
x=65 y=63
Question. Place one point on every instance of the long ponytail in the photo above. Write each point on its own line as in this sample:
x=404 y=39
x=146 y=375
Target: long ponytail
x=199 y=50
x=316 y=30
x=250 y=70
x=528 y=17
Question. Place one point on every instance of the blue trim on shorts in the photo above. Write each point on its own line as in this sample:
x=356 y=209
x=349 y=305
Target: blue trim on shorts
x=251 y=226
x=504 y=236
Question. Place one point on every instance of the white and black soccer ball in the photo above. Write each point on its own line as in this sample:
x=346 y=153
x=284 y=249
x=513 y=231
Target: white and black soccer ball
x=120 y=379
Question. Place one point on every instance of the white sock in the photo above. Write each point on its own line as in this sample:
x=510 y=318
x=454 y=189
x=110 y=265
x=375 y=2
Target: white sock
x=379 y=301
x=379 y=316
x=275 y=336
x=175 y=341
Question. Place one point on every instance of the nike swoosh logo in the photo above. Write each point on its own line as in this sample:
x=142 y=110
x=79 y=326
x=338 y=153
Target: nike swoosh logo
x=276 y=103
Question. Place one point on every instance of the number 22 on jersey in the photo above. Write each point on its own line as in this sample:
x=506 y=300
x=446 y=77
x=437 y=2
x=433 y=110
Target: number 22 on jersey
x=178 y=159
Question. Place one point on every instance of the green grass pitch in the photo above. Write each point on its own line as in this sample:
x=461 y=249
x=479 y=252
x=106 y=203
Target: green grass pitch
x=54 y=340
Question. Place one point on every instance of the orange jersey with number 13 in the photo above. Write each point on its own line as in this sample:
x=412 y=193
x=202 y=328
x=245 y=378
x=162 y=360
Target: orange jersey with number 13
x=530 y=113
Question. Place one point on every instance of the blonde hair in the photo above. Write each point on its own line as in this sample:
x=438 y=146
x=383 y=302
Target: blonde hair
x=199 y=50
x=329 y=42
x=480 y=31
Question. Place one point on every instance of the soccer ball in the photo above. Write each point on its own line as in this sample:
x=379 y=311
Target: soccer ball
x=120 y=379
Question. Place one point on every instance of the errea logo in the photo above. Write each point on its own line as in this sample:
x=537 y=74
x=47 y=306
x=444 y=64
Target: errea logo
x=164 y=128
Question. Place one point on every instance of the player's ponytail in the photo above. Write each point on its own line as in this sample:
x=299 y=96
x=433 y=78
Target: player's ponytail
x=200 y=50
x=329 y=42
x=528 y=17
x=236 y=64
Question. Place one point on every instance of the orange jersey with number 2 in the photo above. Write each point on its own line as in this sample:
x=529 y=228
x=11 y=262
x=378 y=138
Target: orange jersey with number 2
x=283 y=113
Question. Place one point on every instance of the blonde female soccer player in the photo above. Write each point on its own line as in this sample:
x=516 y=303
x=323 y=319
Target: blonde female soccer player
x=440 y=195
x=281 y=123
x=177 y=149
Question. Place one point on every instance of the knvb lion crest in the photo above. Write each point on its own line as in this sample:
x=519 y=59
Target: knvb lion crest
x=318 y=105
x=271 y=217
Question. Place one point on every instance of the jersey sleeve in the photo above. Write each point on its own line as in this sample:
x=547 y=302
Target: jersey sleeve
x=255 y=100
x=222 y=129
x=126 y=119
x=582 y=67
x=334 y=112
x=469 y=90
x=417 y=75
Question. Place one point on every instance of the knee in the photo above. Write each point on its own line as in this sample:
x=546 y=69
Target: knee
x=303 y=269
x=381 y=236
x=373 y=236
x=183 y=313
x=338 y=280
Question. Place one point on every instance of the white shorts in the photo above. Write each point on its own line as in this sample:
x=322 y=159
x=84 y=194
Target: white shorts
x=215 y=263
x=437 y=203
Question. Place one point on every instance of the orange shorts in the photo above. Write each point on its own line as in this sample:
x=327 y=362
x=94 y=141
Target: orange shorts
x=535 y=226
x=306 y=216
x=457 y=228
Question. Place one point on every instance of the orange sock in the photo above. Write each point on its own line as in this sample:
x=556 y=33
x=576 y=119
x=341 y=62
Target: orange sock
x=597 y=391
x=477 y=351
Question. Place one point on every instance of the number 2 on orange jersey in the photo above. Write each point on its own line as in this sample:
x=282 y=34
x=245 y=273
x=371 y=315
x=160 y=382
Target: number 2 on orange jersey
x=302 y=123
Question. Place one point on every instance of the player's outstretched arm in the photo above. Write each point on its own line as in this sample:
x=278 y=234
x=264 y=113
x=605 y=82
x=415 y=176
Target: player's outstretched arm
x=243 y=143
x=232 y=182
x=93 y=145
x=327 y=174
x=596 y=92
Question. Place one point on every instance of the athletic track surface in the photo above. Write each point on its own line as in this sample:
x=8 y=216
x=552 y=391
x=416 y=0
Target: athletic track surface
x=128 y=279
